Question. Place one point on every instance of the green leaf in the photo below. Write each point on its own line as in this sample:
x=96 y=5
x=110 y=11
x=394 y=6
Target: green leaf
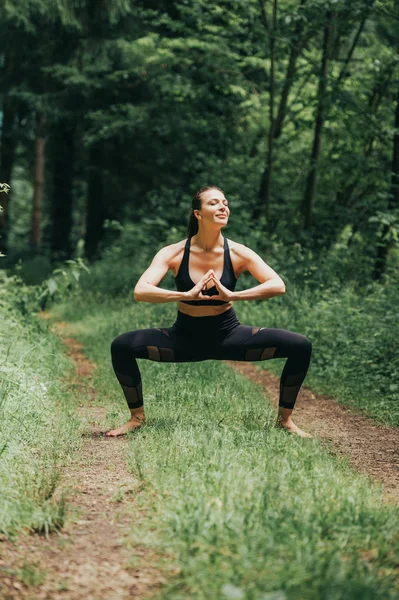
x=52 y=286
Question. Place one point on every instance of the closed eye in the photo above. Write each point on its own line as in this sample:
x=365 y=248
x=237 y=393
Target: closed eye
x=225 y=201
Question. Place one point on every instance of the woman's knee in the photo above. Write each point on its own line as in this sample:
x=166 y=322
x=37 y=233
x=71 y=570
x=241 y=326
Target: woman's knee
x=304 y=351
x=301 y=344
x=122 y=343
x=307 y=344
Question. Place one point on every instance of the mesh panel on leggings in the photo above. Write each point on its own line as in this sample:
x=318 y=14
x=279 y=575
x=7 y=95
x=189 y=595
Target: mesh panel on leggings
x=153 y=353
x=267 y=353
x=288 y=396
x=290 y=388
x=295 y=379
x=167 y=354
x=163 y=331
x=133 y=395
x=259 y=353
x=253 y=354
x=160 y=354
x=125 y=379
x=256 y=329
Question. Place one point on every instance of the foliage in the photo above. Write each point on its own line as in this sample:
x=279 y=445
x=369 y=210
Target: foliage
x=166 y=98
x=37 y=424
x=62 y=282
x=32 y=298
x=4 y=187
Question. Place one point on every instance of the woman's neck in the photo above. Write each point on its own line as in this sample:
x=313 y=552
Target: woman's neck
x=208 y=240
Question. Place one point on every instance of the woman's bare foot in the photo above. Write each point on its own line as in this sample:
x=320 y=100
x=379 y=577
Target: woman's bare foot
x=292 y=428
x=135 y=422
x=284 y=421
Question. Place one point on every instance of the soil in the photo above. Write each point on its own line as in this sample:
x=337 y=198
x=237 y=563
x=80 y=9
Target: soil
x=372 y=449
x=88 y=559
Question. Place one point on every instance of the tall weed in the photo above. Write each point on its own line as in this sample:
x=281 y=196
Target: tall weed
x=37 y=422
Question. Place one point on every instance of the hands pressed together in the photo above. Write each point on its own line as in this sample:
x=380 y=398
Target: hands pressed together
x=196 y=292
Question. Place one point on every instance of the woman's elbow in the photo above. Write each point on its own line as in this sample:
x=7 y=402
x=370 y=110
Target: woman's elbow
x=137 y=294
x=281 y=287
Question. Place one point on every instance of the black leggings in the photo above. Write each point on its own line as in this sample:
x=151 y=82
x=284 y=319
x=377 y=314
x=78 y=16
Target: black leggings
x=220 y=337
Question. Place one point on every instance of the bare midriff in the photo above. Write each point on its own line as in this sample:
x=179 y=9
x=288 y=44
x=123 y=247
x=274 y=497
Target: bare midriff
x=203 y=311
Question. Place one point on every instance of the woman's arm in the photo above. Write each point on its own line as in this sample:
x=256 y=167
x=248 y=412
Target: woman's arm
x=147 y=290
x=268 y=289
x=271 y=284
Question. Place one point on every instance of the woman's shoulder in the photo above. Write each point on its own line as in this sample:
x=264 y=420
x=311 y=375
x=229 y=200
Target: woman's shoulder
x=172 y=249
x=243 y=257
x=174 y=253
x=236 y=248
x=240 y=250
x=234 y=245
x=238 y=256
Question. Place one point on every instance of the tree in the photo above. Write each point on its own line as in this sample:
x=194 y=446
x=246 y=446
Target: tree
x=311 y=180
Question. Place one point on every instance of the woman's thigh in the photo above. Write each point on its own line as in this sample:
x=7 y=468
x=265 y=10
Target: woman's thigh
x=164 y=344
x=259 y=343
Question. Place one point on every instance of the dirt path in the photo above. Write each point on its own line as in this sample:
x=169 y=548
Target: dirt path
x=88 y=559
x=372 y=449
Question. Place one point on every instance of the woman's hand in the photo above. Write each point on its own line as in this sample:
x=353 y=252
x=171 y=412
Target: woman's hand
x=196 y=292
x=224 y=294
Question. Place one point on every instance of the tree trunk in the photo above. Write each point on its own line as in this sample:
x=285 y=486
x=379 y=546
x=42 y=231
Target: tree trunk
x=344 y=197
x=289 y=78
x=63 y=167
x=276 y=126
x=264 y=192
x=353 y=46
x=38 y=182
x=393 y=202
x=95 y=203
x=311 y=181
x=7 y=156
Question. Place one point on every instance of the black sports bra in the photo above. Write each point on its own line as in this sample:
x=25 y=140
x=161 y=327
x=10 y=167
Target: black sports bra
x=184 y=283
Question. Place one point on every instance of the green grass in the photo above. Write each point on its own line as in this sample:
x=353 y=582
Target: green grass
x=243 y=509
x=38 y=427
x=355 y=356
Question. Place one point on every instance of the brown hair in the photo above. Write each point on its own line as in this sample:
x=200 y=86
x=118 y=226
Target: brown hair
x=192 y=227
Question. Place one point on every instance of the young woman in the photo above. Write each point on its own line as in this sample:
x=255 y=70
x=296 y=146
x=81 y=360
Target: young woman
x=206 y=267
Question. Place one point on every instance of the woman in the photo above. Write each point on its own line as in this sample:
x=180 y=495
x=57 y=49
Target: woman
x=206 y=267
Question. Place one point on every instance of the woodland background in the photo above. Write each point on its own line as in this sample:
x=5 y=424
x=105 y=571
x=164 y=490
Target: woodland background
x=114 y=113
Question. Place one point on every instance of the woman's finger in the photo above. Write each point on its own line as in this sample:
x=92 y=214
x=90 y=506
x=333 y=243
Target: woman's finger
x=217 y=282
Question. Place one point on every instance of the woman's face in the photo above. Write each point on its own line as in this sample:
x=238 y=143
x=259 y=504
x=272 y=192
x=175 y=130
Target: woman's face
x=214 y=208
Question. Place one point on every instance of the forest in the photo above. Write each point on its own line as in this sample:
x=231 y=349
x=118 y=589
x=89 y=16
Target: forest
x=114 y=110
x=113 y=113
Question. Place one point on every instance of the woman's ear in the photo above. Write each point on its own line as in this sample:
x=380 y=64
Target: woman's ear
x=197 y=215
